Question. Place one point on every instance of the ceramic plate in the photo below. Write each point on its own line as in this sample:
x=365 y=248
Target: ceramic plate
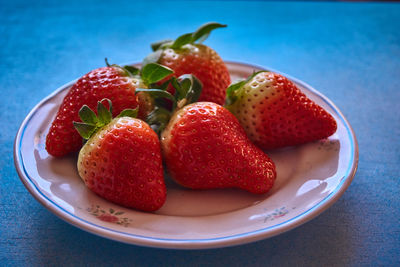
x=311 y=178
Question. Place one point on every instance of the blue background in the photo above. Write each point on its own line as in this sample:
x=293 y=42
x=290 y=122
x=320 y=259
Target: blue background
x=348 y=51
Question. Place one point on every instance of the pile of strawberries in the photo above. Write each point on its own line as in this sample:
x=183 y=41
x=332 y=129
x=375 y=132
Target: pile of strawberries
x=180 y=112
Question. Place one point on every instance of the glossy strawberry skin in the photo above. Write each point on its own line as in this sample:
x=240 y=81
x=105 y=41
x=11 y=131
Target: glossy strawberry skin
x=205 y=147
x=275 y=113
x=122 y=163
x=106 y=82
x=204 y=63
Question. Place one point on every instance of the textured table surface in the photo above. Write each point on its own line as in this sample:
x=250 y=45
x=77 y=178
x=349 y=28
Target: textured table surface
x=348 y=51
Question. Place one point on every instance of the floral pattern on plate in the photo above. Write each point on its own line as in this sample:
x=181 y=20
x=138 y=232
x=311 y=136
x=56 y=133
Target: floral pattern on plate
x=109 y=215
x=276 y=214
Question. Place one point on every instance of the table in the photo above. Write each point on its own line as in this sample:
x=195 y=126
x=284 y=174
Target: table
x=350 y=52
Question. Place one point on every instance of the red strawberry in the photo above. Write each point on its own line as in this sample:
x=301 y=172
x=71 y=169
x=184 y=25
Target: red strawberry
x=112 y=82
x=186 y=55
x=205 y=147
x=275 y=113
x=121 y=161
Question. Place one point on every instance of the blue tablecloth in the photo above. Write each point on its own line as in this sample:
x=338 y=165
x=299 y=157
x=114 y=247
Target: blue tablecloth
x=348 y=51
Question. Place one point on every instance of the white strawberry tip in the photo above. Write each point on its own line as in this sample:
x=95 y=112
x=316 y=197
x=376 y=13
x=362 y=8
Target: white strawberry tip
x=233 y=91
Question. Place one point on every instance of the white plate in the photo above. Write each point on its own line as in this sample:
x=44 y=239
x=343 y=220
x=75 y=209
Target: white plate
x=310 y=178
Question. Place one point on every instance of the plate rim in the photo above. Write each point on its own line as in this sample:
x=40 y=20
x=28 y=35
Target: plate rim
x=225 y=241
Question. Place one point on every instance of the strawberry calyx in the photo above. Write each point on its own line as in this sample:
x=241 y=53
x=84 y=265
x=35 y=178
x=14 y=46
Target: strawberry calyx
x=130 y=71
x=92 y=123
x=234 y=90
x=187 y=90
x=197 y=37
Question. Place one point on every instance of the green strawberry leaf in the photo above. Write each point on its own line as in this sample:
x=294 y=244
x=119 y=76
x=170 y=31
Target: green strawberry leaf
x=85 y=130
x=155 y=46
x=152 y=57
x=191 y=86
x=179 y=92
x=158 y=119
x=204 y=31
x=255 y=73
x=129 y=113
x=175 y=83
x=163 y=103
x=91 y=123
x=187 y=90
x=153 y=72
x=185 y=82
x=198 y=36
x=87 y=115
x=104 y=115
x=165 y=84
x=231 y=92
x=131 y=71
x=182 y=40
x=157 y=115
x=157 y=93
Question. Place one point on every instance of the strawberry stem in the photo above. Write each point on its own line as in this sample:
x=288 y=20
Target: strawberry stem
x=107 y=64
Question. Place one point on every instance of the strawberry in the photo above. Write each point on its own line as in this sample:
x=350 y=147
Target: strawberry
x=205 y=147
x=121 y=160
x=186 y=55
x=275 y=113
x=112 y=82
